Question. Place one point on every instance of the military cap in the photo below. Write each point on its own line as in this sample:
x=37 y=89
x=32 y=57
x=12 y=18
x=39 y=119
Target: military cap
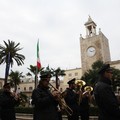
x=105 y=67
x=45 y=75
x=72 y=81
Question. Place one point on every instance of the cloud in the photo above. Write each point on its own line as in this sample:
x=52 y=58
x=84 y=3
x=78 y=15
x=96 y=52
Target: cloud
x=58 y=25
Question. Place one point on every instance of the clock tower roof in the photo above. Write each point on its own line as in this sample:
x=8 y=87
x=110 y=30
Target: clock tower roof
x=90 y=27
x=90 y=21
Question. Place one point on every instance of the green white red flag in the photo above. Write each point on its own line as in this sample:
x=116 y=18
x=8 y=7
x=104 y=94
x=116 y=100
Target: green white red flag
x=38 y=58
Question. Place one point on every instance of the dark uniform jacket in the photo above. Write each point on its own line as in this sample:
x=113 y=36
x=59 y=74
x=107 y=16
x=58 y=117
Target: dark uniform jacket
x=84 y=108
x=45 y=107
x=7 y=104
x=71 y=98
x=106 y=101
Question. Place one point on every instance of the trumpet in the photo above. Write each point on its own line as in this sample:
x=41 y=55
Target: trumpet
x=79 y=84
x=62 y=103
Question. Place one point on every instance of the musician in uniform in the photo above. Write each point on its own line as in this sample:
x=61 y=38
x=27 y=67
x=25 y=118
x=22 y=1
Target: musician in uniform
x=85 y=104
x=45 y=103
x=105 y=97
x=71 y=98
x=8 y=100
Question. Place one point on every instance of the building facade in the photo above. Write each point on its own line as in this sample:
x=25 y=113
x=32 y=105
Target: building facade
x=93 y=47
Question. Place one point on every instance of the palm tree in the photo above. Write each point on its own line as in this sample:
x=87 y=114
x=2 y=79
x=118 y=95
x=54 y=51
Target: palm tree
x=56 y=73
x=9 y=54
x=15 y=78
x=34 y=71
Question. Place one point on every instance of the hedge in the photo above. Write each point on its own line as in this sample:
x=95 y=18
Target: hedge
x=29 y=110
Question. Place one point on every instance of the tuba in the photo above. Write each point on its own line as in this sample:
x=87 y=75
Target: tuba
x=62 y=103
x=79 y=85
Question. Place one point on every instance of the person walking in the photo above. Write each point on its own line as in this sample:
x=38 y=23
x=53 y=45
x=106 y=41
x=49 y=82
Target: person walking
x=105 y=97
x=45 y=103
x=85 y=103
x=71 y=99
x=8 y=101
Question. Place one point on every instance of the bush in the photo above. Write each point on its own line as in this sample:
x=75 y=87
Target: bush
x=27 y=110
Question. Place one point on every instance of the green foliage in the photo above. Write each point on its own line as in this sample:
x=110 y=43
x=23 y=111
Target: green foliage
x=91 y=76
x=15 y=78
x=13 y=49
x=116 y=78
x=10 y=49
x=46 y=70
x=27 y=110
x=34 y=70
x=23 y=99
x=56 y=73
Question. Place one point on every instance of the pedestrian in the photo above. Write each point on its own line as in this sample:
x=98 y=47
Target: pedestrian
x=8 y=101
x=71 y=99
x=45 y=103
x=85 y=102
x=105 y=97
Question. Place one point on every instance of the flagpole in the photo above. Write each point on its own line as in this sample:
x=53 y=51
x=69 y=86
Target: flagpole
x=36 y=78
x=38 y=65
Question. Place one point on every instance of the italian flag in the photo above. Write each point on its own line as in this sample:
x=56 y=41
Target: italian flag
x=38 y=58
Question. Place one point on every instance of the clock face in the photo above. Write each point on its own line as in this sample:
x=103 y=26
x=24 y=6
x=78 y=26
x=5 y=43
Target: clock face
x=91 y=51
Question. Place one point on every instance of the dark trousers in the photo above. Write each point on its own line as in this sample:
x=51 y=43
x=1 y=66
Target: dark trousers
x=59 y=115
x=73 y=117
x=84 y=115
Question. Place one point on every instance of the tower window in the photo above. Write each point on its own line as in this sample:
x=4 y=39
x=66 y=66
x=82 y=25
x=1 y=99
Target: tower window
x=76 y=74
x=24 y=88
x=30 y=88
x=69 y=74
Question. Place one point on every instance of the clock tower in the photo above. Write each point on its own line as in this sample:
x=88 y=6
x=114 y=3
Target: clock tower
x=93 y=47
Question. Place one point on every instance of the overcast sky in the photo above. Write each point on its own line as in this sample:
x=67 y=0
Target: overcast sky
x=58 y=25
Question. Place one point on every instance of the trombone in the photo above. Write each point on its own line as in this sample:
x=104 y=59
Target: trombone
x=62 y=103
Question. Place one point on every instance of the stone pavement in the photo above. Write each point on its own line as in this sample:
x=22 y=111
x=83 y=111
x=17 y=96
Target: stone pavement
x=20 y=116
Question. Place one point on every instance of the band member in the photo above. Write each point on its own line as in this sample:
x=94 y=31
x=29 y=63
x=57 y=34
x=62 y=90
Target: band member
x=105 y=97
x=45 y=103
x=85 y=104
x=71 y=99
x=8 y=100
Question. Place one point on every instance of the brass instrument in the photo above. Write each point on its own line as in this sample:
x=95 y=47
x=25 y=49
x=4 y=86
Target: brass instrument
x=88 y=89
x=79 y=84
x=62 y=103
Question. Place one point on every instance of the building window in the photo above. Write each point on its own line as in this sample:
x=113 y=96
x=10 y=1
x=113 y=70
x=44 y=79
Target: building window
x=30 y=88
x=24 y=88
x=76 y=74
x=69 y=74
